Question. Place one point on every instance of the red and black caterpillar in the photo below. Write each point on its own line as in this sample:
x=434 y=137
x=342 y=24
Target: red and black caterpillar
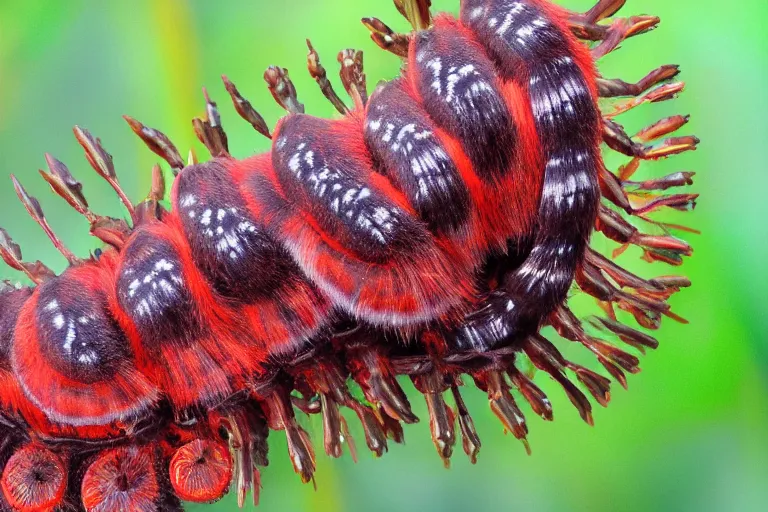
x=431 y=231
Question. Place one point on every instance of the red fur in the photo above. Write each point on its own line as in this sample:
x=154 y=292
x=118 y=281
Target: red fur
x=409 y=289
x=218 y=364
x=127 y=394
x=506 y=209
x=263 y=319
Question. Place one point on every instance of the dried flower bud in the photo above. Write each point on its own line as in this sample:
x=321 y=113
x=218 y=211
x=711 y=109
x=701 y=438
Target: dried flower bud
x=282 y=89
x=245 y=109
x=65 y=185
x=158 y=143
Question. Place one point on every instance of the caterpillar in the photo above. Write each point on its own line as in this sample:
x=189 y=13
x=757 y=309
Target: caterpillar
x=430 y=232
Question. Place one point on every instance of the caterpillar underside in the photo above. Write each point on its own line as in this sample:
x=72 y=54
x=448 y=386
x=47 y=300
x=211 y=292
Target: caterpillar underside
x=431 y=232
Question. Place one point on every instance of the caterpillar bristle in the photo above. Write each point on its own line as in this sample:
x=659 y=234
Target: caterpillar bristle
x=209 y=130
x=66 y=186
x=11 y=255
x=151 y=209
x=315 y=342
x=603 y=9
x=386 y=38
x=353 y=76
x=283 y=90
x=158 y=143
x=245 y=109
x=416 y=12
x=470 y=440
x=432 y=384
x=110 y=231
x=101 y=162
x=32 y=205
x=318 y=73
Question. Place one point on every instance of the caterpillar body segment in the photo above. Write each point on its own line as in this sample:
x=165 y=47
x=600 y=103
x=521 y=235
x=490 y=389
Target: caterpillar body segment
x=67 y=323
x=429 y=231
x=244 y=263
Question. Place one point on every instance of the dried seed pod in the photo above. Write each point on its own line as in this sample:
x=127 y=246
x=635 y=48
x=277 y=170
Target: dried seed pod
x=122 y=478
x=282 y=89
x=34 y=479
x=245 y=109
x=201 y=471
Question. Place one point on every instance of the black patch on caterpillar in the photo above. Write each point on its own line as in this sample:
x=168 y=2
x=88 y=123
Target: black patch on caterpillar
x=10 y=305
x=235 y=254
x=405 y=148
x=316 y=172
x=151 y=289
x=457 y=83
x=521 y=38
x=514 y=33
x=77 y=335
x=563 y=108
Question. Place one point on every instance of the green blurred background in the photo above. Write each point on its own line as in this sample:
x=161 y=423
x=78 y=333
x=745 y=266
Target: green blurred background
x=692 y=432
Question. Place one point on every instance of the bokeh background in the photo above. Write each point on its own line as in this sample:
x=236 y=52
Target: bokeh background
x=691 y=433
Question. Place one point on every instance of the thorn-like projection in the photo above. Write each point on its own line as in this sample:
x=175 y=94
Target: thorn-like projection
x=327 y=378
x=10 y=252
x=247 y=431
x=317 y=71
x=349 y=439
x=611 y=35
x=392 y=427
x=603 y=9
x=158 y=143
x=659 y=93
x=353 y=76
x=281 y=417
x=282 y=89
x=676 y=179
x=620 y=30
x=532 y=393
x=503 y=405
x=331 y=426
x=157 y=189
x=617 y=139
x=646 y=305
x=151 y=209
x=628 y=335
x=191 y=157
x=611 y=88
x=547 y=358
x=66 y=186
x=101 y=161
x=386 y=38
x=569 y=327
x=655 y=247
x=209 y=130
x=110 y=231
x=470 y=441
x=416 y=12
x=245 y=109
x=441 y=418
x=371 y=369
x=34 y=209
x=662 y=127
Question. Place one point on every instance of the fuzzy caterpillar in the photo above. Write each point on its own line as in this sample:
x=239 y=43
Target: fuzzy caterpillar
x=431 y=232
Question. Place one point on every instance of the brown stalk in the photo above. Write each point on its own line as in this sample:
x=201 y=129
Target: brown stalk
x=245 y=109
x=317 y=71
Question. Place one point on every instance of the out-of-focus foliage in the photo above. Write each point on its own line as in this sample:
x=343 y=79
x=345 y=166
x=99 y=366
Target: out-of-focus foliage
x=692 y=432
